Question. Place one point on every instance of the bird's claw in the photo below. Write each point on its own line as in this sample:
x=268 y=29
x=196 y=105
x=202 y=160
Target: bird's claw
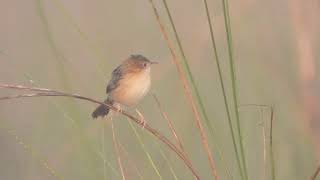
x=143 y=122
x=119 y=109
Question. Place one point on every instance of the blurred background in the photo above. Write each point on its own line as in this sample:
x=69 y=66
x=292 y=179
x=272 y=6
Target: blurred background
x=73 y=46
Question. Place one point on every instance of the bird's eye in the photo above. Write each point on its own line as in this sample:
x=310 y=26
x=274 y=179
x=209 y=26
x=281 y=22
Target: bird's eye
x=144 y=64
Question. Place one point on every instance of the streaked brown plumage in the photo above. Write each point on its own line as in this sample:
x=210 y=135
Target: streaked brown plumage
x=129 y=83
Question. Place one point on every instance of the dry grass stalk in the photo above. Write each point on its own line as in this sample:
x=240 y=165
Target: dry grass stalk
x=132 y=163
x=170 y=124
x=43 y=92
x=173 y=131
x=271 y=148
x=314 y=176
x=116 y=148
x=187 y=91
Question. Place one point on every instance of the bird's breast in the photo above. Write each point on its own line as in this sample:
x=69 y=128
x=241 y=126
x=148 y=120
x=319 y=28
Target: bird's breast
x=132 y=88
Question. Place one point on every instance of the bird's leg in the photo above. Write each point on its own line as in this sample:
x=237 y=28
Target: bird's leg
x=142 y=119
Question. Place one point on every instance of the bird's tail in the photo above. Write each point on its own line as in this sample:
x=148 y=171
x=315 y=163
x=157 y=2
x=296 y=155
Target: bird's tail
x=102 y=110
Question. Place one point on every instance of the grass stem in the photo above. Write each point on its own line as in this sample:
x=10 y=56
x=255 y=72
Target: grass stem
x=214 y=47
x=116 y=148
x=234 y=82
x=44 y=92
x=186 y=86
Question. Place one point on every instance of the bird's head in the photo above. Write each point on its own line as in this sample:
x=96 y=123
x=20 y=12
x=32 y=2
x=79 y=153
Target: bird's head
x=138 y=63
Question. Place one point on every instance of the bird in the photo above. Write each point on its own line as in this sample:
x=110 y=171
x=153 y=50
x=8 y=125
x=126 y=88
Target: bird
x=129 y=83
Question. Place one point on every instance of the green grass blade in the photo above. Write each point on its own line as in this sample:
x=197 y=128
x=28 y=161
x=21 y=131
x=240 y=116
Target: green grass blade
x=117 y=151
x=234 y=82
x=273 y=174
x=214 y=48
x=194 y=85
x=145 y=150
x=94 y=48
x=60 y=58
x=188 y=70
x=133 y=164
x=103 y=149
x=169 y=164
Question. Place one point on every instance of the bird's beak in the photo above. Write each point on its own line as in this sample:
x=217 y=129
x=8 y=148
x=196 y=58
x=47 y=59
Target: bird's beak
x=154 y=62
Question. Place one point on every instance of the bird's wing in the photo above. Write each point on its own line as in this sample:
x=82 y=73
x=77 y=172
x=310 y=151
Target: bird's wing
x=115 y=77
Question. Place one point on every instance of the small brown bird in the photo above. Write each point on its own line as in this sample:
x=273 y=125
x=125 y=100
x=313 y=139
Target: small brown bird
x=129 y=83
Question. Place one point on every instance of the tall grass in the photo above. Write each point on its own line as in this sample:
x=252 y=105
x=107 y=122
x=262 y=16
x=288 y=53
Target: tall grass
x=61 y=59
x=186 y=84
x=271 y=148
x=97 y=51
x=103 y=151
x=234 y=82
x=131 y=162
x=116 y=149
x=150 y=159
x=194 y=98
x=214 y=48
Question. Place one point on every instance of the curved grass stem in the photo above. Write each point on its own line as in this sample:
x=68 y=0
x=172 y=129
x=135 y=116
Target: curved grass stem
x=44 y=92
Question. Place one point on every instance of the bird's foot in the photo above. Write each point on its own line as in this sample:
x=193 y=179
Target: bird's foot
x=142 y=119
x=119 y=108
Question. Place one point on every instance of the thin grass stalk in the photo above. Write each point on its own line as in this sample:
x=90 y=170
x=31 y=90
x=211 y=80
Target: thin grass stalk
x=43 y=94
x=170 y=124
x=188 y=94
x=28 y=148
x=94 y=48
x=145 y=151
x=74 y=123
x=315 y=174
x=116 y=148
x=83 y=35
x=234 y=82
x=271 y=148
x=214 y=48
x=48 y=92
x=264 y=139
x=114 y=170
x=188 y=69
x=103 y=147
x=134 y=165
x=272 y=163
x=60 y=58
x=169 y=164
x=194 y=85
x=172 y=129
